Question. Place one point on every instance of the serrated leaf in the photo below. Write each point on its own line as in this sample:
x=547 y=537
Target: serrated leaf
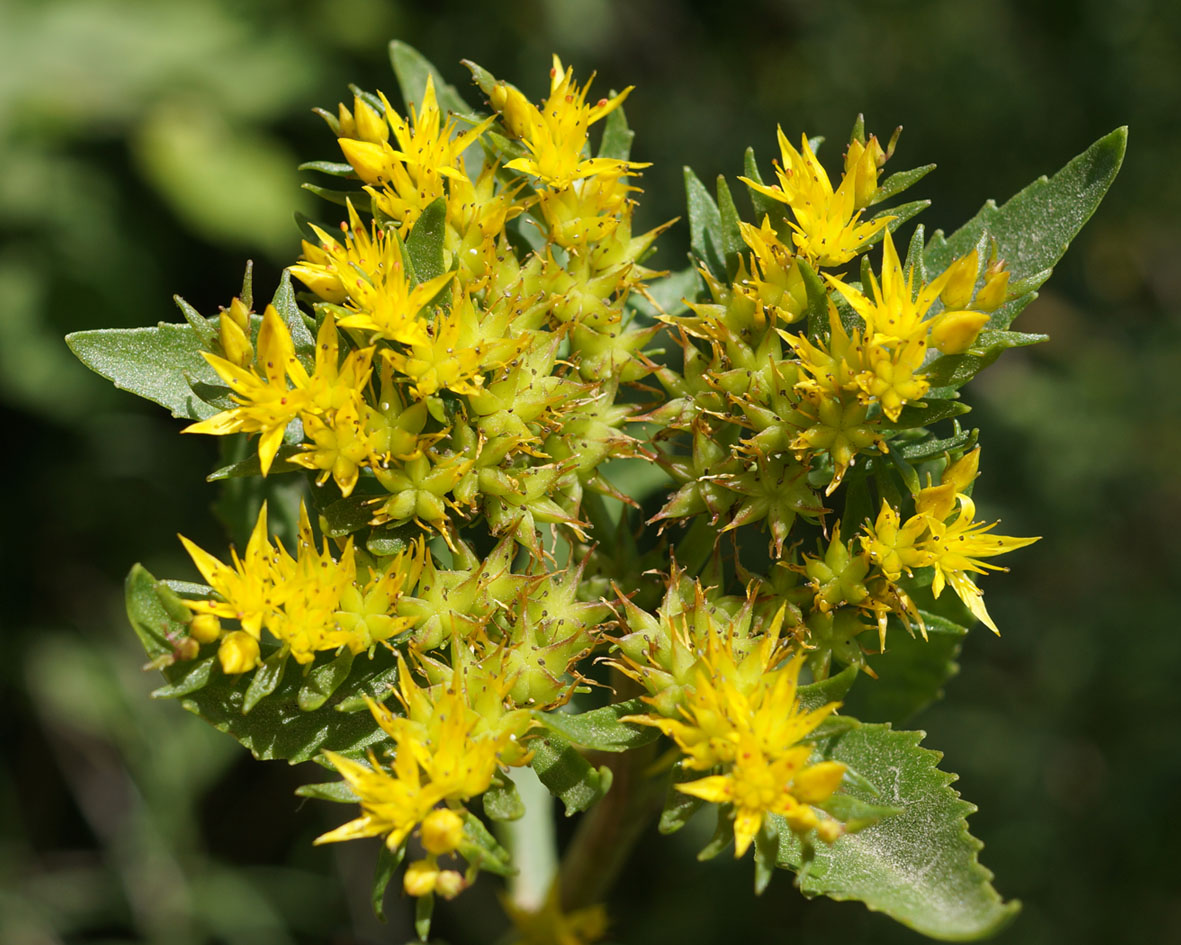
x=1034 y=227
x=322 y=681
x=919 y=867
x=705 y=225
x=600 y=729
x=617 y=137
x=151 y=363
x=911 y=672
x=424 y=245
x=818 y=694
x=567 y=774
x=929 y=447
x=388 y=862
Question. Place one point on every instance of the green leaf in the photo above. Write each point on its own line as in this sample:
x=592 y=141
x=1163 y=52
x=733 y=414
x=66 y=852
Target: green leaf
x=338 y=792
x=331 y=168
x=424 y=908
x=920 y=867
x=955 y=370
x=478 y=846
x=600 y=729
x=911 y=672
x=924 y=413
x=901 y=214
x=502 y=801
x=424 y=245
x=205 y=329
x=668 y=294
x=856 y=814
x=732 y=244
x=412 y=69
x=151 y=363
x=388 y=862
x=1034 y=228
x=763 y=205
x=896 y=183
x=190 y=678
x=928 y=447
x=817 y=312
x=322 y=681
x=293 y=318
x=705 y=226
x=157 y=616
x=679 y=806
x=833 y=689
x=617 y=137
x=766 y=853
x=567 y=774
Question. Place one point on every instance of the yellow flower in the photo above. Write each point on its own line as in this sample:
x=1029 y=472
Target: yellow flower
x=265 y=404
x=826 y=225
x=556 y=134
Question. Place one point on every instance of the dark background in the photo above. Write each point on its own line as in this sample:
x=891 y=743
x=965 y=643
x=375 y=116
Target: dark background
x=149 y=148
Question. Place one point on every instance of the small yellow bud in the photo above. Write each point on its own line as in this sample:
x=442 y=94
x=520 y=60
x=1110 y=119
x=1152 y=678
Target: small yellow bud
x=240 y=314
x=829 y=830
x=187 y=649
x=238 y=653
x=205 y=628
x=442 y=831
x=420 y=878
x=449 y=884
x=955 y=332
x=235 y=343
x=862 y=162
x=816 y=783
x=996 y=286
x=345 y=127
x=961 y=279
x=513 y=108
x=368 y=124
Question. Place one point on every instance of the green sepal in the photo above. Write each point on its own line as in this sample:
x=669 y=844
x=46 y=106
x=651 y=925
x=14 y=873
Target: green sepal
x=360 y=200
x=323 y=680
x=338 y=792
x=482 y=850
x=502 y=801
x=424 y=245
x=705 y=226
x=1034 y=228
x=151 y=363
x=156 y=614
x=920 y=866
x=266 y=677
x=901 y=214
x=600 y=729
x=763 y=205
x=723 y=835
x=388 y=862
x=616 y=142
x=567 y=774
x=679 y=806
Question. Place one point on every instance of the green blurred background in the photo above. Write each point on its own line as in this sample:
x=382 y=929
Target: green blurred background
x=148 y=148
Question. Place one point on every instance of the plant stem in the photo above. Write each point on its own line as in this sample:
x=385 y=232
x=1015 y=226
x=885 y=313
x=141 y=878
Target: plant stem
x=531 y=842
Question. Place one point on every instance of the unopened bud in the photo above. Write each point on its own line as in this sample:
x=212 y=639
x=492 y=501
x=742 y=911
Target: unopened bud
x=420 y=878
x=961 y=280
x=513 y=108
x=235 y=342
x=368 y=124
x=995 y=288
x=449 y=884
x=442 y=831
x=956 y=332
x=240 y=313
x=238 y=653
x=205 y=628
x=829 y=830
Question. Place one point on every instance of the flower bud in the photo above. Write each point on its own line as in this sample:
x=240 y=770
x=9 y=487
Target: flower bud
x=238 y=653
x=449 y=884
x=205 y=628
x=996 y=286
x=368 y=124
x=956 y=332
x=420 y=878
x=235 y=343
x=513 y=107
x=961 y=280
x=442 y=831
